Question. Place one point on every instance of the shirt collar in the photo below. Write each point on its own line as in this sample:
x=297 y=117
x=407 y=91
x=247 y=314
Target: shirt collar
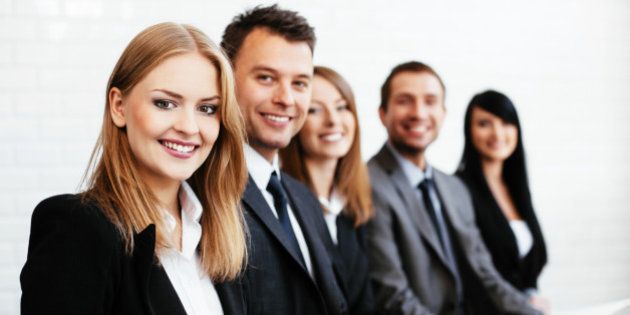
x=414 y=174
x=335 y=204
x=259 y=168
x=191 y=214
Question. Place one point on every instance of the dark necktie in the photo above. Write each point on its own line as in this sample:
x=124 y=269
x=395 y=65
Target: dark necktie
x=280 y=202
x=427 y=187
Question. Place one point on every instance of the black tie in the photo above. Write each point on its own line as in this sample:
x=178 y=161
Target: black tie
x=280 y=202
x=427 y=186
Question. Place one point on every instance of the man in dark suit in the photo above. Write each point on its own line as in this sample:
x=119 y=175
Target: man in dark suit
x=426 y=254
x=289 y=270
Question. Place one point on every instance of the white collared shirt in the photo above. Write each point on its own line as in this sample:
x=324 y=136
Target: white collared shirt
x=193 y=287
x=524 y=238
x=333 y=207
x=260 y=170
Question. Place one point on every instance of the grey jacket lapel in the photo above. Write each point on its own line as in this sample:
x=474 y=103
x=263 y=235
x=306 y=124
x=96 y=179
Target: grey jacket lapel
x=416 y=209
x=447 y=196
x=254 y=199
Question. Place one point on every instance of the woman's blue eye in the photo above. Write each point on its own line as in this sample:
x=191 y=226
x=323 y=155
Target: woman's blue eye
x=208 y=109
x=164 y=104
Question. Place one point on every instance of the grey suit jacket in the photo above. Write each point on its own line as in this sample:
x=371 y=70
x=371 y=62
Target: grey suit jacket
x=407 y=264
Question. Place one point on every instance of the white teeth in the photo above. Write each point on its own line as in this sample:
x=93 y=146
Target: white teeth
x=277 y=118
x=419 y=128
x=332 y=137
x=178 y=147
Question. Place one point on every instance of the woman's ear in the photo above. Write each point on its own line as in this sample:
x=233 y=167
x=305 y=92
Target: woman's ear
x=116 y=107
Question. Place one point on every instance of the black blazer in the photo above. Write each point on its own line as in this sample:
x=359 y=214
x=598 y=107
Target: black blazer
x=500 y=240
x=351 y=265
x=77 y=264
x=275 y=281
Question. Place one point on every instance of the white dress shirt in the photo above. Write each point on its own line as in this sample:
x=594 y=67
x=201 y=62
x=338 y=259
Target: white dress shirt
x=333 y=207
x=260 y=170
x=524 y=238
x=193 y=287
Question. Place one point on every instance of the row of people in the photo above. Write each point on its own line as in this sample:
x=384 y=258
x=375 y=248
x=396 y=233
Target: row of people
x=230 y=181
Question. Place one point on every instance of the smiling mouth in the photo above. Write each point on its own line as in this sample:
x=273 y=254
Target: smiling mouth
x=276 y=118
x=180 y=148
x=417 y=128
x=333 y=137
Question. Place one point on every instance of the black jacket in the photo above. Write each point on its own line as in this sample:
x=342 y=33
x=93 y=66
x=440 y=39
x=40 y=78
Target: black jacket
x=500 y=240
x=77 y=264
x=275 y=281
x=351 y=265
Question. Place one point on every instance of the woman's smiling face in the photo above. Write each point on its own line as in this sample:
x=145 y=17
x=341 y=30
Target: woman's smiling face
x=171 y=117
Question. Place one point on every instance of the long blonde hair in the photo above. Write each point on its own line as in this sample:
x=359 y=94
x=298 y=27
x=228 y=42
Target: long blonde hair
x=115 y=184
x=351 y=176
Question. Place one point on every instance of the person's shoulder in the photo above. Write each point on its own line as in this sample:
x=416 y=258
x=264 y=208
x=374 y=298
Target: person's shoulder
x=452 y=180
x=295 y=184
x=72 y=211
x=68 y=205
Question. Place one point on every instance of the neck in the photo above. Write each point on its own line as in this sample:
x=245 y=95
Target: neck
x=324 y=169
x=166 y=192
x=492 y=170
x=416 y=157
x=266 y=152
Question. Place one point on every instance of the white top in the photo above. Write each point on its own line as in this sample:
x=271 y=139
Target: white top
x=193 y=287
x=260 y=169
x=524 y=239
x=333 y=207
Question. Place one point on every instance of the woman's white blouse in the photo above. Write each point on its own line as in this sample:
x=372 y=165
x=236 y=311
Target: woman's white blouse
x=333 y=208
x=524 y=239
x=194 y=289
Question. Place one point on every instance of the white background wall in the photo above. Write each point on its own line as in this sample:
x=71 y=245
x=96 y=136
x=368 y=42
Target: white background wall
x=565 y=64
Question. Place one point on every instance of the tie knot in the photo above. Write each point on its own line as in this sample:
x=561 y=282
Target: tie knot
x=425 y=184
x=275 y=187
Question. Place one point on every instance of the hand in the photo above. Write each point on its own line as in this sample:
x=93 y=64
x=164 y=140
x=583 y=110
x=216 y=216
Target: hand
x=540 y=303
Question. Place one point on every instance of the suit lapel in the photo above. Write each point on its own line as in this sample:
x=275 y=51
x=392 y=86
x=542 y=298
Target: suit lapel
x=254 y=199
x=144 y=246
x=416 y=209
x=448 y=203
x=321 y=258
x=152 y=280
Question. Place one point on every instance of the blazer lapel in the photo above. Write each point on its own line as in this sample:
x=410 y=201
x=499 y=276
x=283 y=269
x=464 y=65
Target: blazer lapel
x=323 y=268
x=415 y=208
x=254 y=199
x=152 y=279
x=448 y=202
x=144 y=246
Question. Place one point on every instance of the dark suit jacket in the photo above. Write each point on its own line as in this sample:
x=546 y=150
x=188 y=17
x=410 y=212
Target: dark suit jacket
x=351 y=264
x=407 y=264
x=499 y=238
x=77 y=264
x=275 y=281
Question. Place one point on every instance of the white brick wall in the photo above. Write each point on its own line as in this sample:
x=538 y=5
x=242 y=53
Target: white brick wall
x=565 y=64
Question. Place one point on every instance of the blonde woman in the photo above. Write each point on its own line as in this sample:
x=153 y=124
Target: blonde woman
x=158 y=228
x=326 y=156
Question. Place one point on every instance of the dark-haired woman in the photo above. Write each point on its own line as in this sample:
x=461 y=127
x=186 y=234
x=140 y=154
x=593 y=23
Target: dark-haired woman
x=326 y=156
x=493 y=168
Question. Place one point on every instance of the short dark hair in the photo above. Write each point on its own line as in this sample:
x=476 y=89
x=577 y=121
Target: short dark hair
x=287 y=24
x=410 y=66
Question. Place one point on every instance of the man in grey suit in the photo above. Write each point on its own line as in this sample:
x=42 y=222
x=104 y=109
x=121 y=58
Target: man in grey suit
x=426 y=254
